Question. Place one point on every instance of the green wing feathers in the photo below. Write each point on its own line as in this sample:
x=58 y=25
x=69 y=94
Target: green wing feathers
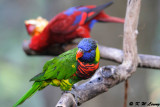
x=35 y=87
x=61 y=67
x=38 y=77
x=58 y=68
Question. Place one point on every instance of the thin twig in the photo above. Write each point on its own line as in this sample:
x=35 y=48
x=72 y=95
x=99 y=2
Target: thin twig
x=126 y=93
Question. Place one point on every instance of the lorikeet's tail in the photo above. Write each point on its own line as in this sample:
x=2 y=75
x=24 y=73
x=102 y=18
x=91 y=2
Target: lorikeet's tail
x=35 y=87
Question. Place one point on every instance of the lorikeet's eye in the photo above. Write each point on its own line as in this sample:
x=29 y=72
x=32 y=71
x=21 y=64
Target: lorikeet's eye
x=80 y=49
x=89 y=50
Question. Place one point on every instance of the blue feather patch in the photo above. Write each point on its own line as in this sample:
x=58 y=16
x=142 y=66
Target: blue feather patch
x=87 y=44
x=70 y=11
x=78 y=19
x=92 y=23
x=82 y=9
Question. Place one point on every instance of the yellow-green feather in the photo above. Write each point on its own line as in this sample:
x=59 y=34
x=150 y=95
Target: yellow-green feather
x=35 y=87
x=97 y=54
x=60 y=67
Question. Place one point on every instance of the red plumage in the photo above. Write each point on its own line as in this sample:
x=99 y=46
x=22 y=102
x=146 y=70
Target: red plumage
x=86 y=70
x=76 y=22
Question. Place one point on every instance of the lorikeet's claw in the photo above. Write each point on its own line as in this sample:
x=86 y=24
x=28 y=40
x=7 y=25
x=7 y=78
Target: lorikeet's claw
x=74 y=86
x=74 y=94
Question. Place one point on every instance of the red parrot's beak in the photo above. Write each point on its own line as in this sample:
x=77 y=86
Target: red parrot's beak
x=30 y=29
x=79 y=54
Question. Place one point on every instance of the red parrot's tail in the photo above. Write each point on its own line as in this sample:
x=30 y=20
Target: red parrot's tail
x=102 y=17
x=96 y=11
x=113 y=19
x=98 y=14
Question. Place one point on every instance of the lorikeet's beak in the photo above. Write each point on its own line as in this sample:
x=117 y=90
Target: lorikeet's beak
x=79 y=53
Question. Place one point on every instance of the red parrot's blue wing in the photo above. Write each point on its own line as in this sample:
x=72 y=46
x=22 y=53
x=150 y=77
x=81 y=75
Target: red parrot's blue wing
x=93 y=12
x=87 y=13
x=73 y=17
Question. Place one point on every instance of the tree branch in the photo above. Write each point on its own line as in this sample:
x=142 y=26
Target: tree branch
x=116 y=55
x=109 y=76
x=107 y=53
x=53 y=50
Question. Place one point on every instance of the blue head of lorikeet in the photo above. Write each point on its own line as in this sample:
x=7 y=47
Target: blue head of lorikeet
x=67 y=69
x=87 y=50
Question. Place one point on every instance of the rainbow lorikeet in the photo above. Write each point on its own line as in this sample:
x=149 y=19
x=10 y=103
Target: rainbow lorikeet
x=75 y=22
x=68 y=68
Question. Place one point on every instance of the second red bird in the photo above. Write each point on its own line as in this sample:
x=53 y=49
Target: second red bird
x=75 y=22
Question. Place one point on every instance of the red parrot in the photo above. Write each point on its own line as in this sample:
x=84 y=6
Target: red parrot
x=75 y=22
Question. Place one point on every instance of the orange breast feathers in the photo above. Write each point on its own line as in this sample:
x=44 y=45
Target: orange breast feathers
x=86 y=70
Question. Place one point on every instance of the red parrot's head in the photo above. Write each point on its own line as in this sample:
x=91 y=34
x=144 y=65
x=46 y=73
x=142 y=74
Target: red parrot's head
x=35 y=26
